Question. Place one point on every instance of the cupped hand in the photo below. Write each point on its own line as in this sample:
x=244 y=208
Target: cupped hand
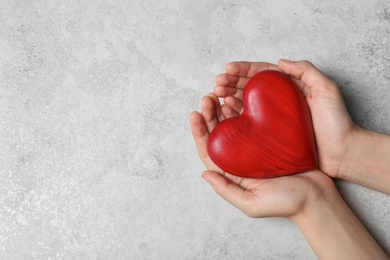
x=275 y=197
x=333 y=127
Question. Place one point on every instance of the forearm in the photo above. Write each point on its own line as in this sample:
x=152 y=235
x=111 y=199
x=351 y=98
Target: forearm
x=368 y=161
x=334 y=232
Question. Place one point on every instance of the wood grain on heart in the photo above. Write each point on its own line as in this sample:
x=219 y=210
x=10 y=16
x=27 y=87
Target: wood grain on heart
x=272 y=137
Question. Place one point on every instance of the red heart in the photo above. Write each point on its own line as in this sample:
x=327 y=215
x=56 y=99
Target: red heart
x=272 y=137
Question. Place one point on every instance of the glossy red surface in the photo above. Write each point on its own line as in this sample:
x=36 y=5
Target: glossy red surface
x=272 y=137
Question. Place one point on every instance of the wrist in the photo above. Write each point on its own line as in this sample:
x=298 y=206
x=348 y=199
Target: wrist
x=319 y=194
x=355 y=145
x=334 y=232
x=367 y=161
x=317 y=203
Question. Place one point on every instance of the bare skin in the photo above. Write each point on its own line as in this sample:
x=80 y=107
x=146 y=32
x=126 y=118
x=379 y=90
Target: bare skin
x=308 y=199
x=345 y=150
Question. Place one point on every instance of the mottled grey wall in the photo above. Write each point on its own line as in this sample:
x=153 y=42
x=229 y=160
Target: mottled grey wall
x=96 y=156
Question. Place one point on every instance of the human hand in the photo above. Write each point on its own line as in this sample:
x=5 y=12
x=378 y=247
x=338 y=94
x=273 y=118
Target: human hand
x=276 y=197
x=333 y=127
x=308 y=199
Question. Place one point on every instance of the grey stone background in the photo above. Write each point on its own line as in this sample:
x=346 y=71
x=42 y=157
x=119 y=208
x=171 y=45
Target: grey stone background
x=96 y=156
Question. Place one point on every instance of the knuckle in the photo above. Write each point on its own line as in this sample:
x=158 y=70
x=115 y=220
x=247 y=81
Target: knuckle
x=306 y=63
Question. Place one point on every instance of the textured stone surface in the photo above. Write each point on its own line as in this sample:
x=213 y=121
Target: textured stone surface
x=96 y=156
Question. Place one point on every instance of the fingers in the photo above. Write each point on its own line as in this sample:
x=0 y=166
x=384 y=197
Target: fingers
x=237 y=76
x=233 y=81
x=228 y=111
x=230 y=191
x=217 y=107
x=222 y=91
x=307 y=73
x=211 y=111
x=248 y=69
x=235 y=103
x=203 y=124
x=201 y=135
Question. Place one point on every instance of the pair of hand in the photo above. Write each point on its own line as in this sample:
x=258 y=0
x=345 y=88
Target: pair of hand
x=290 y=195
x=309 y=199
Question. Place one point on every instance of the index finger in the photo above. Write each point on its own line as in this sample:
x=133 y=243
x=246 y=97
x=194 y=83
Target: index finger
x=248 y=69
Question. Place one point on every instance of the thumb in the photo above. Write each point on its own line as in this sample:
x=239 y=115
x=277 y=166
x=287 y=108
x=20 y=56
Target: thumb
x=306 y=72
x=230 y=191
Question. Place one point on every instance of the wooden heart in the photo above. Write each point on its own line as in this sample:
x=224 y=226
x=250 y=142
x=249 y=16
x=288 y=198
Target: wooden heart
x=272 y=137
